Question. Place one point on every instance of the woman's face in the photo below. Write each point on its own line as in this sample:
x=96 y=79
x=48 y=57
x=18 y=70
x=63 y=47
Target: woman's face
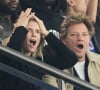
x=33 y=37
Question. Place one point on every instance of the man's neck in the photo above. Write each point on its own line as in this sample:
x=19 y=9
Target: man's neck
x=81 y=58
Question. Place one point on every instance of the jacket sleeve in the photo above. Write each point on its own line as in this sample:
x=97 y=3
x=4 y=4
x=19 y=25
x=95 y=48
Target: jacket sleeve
x=16 y=40
x=66 y=58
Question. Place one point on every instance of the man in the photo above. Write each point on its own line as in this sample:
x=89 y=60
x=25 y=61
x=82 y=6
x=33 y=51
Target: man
x=88 y=7
x=76 y=32
x=7 y=7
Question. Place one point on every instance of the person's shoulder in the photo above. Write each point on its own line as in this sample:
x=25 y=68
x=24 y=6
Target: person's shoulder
x=93 y=56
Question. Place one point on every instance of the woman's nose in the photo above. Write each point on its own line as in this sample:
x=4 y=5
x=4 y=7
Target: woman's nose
x=33 y=33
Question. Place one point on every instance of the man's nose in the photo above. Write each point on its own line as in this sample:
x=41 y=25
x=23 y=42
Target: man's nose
x=79 y=37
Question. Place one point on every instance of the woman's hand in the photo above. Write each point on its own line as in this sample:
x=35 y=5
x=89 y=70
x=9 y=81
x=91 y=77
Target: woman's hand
x=42 y=26
x=24 y=18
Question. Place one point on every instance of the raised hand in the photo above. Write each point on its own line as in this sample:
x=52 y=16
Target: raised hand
x=24 y=18
x=41 y=25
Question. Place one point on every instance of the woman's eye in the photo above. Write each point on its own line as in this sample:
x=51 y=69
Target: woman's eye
x=37 y=31
x=29 y=29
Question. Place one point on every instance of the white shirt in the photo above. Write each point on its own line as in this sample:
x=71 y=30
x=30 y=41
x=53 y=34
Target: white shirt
x=79 y=68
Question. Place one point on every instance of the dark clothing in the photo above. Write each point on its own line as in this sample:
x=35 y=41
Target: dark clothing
x=50 y=15
x=64 y=58
x=5 y=28
x=10 y=82
x=96 y=37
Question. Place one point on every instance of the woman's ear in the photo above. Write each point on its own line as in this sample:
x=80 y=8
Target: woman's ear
x=70 y=2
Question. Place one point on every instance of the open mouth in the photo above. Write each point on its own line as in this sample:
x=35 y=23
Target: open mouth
x=80 y=46
x=33 y=42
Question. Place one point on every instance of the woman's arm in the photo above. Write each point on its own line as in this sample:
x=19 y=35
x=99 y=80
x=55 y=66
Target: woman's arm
x=16 y=40
x=20 y=31
x=65 y=57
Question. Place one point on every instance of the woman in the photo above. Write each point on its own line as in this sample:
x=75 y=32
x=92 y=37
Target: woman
x=27 y=25
x=32 y=32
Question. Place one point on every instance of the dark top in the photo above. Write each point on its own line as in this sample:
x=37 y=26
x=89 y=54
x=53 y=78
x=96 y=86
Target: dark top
x=96 y=37
x=5 y=28
x=64 y=58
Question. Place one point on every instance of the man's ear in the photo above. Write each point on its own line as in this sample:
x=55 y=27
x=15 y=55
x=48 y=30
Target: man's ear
x=70 y=2
x=63 y=40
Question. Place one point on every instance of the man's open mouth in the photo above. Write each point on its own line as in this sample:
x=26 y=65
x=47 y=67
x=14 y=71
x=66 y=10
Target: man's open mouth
x=80 y=46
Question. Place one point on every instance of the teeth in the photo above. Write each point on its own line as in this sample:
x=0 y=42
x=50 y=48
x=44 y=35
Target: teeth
x=80 y=46
x=33 y=42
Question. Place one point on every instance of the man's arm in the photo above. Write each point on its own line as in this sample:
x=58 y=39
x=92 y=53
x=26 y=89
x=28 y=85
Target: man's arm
x=92 y=10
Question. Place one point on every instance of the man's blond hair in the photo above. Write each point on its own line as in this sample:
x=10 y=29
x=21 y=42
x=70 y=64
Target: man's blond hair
x=72 y=20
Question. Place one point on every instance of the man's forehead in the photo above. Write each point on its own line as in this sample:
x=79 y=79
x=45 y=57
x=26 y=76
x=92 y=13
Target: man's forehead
x=77 y=26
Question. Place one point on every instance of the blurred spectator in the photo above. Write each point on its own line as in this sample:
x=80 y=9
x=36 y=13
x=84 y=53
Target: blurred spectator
x=92 y=13
x=7 y=7
x=92 y=10
x=50 y=11
x=96 y=38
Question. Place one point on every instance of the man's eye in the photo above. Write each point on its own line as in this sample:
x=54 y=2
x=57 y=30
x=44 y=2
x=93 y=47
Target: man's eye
x=85 y=34
x=73 y=34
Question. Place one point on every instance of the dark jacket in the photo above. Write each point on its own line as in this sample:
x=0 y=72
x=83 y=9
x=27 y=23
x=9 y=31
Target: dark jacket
x=64 y=57
x=5 y=28
x=96 y=37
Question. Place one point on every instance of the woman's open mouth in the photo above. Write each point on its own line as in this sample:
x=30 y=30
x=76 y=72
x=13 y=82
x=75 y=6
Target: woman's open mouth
x=33 y=42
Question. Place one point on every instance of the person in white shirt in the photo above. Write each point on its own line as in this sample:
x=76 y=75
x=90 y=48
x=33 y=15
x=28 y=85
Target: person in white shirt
x=76 y=32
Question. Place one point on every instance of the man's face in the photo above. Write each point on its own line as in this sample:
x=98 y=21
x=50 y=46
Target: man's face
x=77 y=39
x=8 y=6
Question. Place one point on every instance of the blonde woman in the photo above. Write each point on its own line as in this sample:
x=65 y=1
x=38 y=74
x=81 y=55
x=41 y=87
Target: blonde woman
x=28 y=38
